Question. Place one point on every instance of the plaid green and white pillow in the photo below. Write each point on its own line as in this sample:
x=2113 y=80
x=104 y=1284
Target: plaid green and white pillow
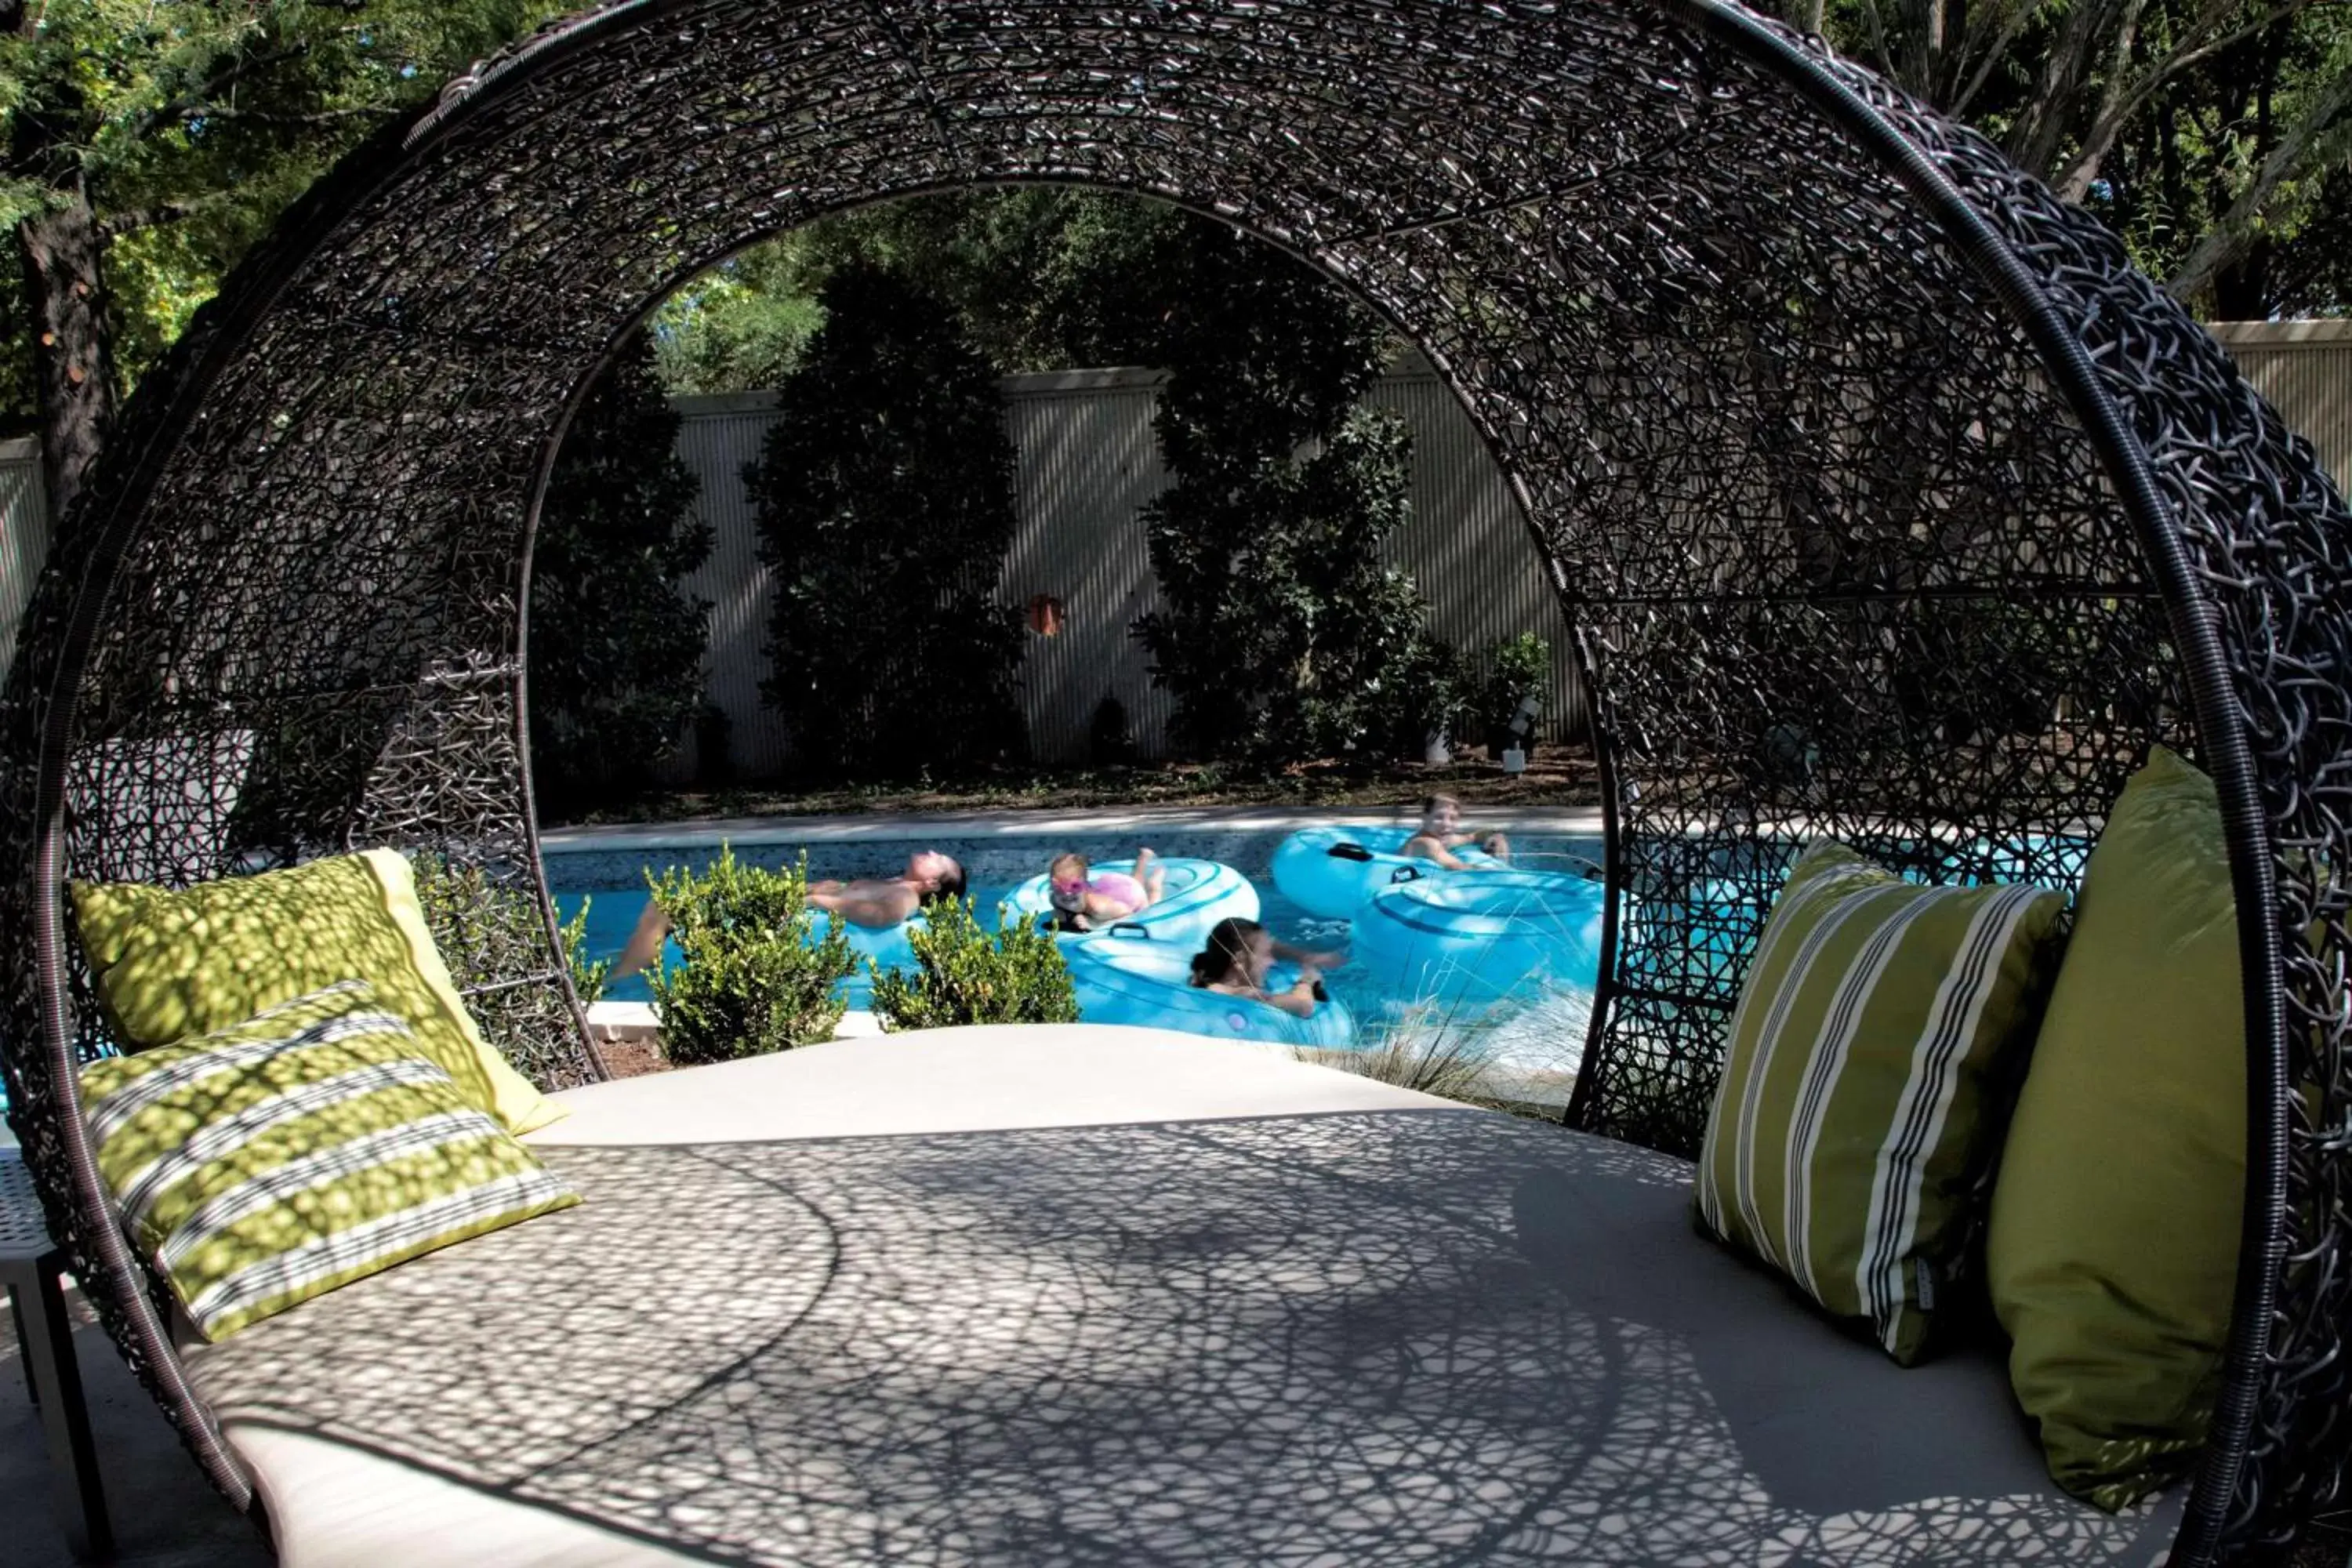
x=1862 y=1098
x=314 y=1144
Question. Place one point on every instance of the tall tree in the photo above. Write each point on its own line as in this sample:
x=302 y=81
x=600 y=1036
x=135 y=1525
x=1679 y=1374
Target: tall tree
x=1281 y=632
x=149 y=144
x=884 y=492
x=615 y=641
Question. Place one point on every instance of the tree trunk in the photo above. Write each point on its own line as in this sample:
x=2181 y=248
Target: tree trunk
x=73 y=355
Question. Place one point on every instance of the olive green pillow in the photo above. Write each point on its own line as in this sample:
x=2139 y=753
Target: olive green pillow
x=173 y=963
x=311 y=1145
x=2113 y=1247
x=1863 y=1091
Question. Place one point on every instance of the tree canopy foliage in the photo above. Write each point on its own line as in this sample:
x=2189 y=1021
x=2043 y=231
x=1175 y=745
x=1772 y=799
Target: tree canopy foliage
x=1034 y=278
x=2213 y=135
x=151 y=143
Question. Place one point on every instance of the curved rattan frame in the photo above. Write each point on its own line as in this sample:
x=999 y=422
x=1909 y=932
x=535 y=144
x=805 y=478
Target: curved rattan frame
x=1920 y=462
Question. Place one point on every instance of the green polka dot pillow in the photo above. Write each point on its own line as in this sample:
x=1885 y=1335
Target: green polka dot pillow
x=1866 y=1085
x=314 y=1144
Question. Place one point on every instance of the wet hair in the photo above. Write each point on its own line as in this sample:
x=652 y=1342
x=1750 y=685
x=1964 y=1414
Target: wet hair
x=1229 y=943
x=1430 y=802
x=951 y=882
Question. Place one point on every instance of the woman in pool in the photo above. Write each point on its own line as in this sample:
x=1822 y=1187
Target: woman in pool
x=1082 y=902
x=878 y=903
x=1236 y=960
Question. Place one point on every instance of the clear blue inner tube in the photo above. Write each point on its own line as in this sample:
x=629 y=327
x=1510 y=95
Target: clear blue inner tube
x=1330 y=871
x=885 y=946
x=1196 y=895
x=1474 y=939
x=1124 y=979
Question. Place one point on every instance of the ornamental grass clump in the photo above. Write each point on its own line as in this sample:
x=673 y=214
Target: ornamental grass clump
x=760 y=966
x=965 y=975
x=1451 y=1056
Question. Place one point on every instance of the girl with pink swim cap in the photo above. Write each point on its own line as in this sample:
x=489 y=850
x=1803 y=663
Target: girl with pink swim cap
x=1083 y=902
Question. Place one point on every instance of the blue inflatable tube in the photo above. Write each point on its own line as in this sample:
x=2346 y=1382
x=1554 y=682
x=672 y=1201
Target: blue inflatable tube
x=886 y=947
x=1330 y=871
x=1123 y=979
x=1476 y=940
x=1196 y=895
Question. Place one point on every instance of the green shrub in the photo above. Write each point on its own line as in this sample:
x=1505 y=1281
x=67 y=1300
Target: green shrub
x=1110 y=739
x=588 y=974
x=752 y=981
x=1517 y=669
x=1426 y=691
x=968 y=975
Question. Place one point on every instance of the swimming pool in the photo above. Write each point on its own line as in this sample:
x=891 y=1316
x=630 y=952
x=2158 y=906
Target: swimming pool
x=1542 y=1034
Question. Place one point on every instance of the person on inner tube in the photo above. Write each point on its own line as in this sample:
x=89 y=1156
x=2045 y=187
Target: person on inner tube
x=878 y=903
x=1439 y=836
x=1083 y=902
x=1236 y=956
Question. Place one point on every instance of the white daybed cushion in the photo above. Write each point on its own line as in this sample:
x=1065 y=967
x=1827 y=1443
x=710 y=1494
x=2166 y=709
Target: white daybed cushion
x=1096 y=1295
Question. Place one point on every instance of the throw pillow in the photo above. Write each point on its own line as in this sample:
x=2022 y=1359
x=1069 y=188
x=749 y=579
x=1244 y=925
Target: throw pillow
x=1863 y=1090
x=173 y=963
x=2113 y=1247
x=311 y=1145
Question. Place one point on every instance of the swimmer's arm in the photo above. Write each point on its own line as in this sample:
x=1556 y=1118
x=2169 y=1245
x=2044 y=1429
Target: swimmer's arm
x=1305 y=957
x=1434 y=849
x=645 y=943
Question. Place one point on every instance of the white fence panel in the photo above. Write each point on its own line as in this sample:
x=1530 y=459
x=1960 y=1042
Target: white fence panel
x=24 y=538
x=1085 y=463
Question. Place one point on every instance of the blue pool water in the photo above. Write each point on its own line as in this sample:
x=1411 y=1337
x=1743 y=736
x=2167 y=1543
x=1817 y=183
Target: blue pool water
x=613 y=914
x=612 y=884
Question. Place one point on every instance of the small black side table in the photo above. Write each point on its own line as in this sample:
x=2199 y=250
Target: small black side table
x=33 y=1268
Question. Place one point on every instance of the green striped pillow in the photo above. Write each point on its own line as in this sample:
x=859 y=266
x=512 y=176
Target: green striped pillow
x=314 y=1144
x=1860 y=1108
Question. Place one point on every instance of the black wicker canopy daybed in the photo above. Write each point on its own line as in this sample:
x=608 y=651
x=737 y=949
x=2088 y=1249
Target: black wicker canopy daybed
x=1889 y=502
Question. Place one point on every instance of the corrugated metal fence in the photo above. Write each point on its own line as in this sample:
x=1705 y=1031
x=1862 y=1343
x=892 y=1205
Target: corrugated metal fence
x=24 y=537
x=2304 y=370
x=1086 y=461
x=717 y=437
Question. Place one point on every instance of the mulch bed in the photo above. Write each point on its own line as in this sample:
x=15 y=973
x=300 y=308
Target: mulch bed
x=1556 y=777
x=631 y=1058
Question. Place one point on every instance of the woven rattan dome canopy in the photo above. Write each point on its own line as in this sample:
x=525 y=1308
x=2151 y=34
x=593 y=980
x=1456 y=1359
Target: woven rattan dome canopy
x=1888 y=500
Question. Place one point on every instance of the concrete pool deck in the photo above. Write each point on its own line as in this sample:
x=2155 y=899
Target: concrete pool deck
x=1583 y=822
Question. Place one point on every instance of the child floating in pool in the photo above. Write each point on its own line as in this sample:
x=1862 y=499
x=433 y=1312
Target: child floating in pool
x=1236 y=960
x=1083 y=900
x=1439 y=836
